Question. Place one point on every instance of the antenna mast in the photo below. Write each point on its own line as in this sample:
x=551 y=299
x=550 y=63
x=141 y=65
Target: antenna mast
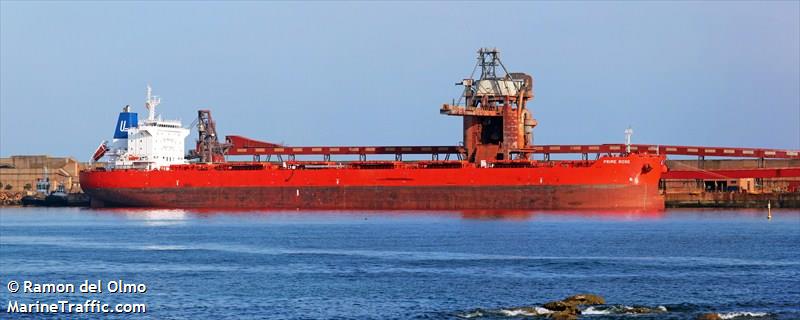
x=151 y=103
x=628 y=134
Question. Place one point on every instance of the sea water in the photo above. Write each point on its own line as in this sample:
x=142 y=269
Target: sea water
x=400 y=265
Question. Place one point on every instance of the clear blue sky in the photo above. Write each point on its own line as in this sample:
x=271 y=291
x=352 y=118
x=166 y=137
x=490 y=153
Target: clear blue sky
x=357 y=73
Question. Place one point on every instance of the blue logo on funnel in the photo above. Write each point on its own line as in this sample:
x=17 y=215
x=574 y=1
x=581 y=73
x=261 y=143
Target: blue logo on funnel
x=126 y=120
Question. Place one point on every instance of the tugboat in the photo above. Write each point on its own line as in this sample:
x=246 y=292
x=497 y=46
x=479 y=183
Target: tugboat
x=57 y=198
x=38 y=199
x=61 y=198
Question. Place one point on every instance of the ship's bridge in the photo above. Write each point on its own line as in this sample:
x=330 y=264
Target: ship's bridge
x=152 y=144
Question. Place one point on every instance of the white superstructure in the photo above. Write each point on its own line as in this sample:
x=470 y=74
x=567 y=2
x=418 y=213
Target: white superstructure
x=151 y=144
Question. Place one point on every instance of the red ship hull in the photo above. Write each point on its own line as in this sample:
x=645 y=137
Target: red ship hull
x=629 y=182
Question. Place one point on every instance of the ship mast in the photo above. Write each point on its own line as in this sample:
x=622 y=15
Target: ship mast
x=151 y=103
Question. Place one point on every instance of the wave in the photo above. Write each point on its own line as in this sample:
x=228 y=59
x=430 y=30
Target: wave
x=600 y=310
x=157 y=247
x=535 y=311
x=380 y=254
x=622 y=309
x=531 y=311
x=506 y=312
x=742 y=315
x=472 y=314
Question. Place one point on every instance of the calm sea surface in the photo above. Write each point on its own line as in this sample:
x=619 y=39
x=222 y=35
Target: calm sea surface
x=400 y=265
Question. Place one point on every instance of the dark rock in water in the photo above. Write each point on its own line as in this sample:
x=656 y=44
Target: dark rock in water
x=561 y=306
x=709 y=316
x=569 y=306
x=567 y=309
x=585 y=299
x=563 y=315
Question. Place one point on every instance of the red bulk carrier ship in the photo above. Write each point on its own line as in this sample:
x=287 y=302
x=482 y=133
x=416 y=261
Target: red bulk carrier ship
x=494 y=169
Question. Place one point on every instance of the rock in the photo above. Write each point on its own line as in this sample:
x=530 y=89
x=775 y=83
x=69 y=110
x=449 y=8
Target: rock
x=640 y=310
x=709 y=316
x=570 y=304
x=561 y=306
x=643 y=310
x=563 y=315
x=585 y=299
